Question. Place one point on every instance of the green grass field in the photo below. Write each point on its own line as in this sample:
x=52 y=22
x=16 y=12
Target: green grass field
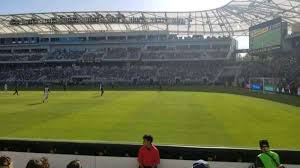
x=172 y=117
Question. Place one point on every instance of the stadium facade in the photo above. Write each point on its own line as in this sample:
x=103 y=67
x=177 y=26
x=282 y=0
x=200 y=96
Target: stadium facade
x=127 y=46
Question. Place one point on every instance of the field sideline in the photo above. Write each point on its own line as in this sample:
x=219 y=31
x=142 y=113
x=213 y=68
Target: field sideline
x=181 y=118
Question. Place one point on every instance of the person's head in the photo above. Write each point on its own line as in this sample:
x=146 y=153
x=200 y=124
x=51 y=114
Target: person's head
x=264 y=145
x=5 y=162
x=201 y=164
x=148 y=139
x=35 y=163
x=74 y=164
x=45 y=162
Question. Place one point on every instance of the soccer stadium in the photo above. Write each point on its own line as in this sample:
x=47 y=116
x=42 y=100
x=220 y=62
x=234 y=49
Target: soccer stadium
x=88 y=85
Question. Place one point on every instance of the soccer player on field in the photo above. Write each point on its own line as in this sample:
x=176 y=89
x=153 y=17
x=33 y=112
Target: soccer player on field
x=101 y=89
x=5 y=87
x=46 y=93
x=16 y=91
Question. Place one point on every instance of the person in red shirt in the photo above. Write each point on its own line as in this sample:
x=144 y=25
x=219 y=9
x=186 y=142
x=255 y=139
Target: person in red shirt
x=148 y=156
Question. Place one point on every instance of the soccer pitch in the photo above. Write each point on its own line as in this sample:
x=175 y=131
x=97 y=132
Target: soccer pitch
x=172 y=117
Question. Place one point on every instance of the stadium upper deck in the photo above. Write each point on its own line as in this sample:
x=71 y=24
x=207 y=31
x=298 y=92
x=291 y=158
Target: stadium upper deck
x=232 y=19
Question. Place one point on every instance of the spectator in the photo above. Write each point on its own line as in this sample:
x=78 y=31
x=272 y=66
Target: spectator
x=74 y=164
x=45 y=162
x=298 y=90
x=37 y=163
x=5 y=162
x=201 y=164
x=268 y=158
x=148 y=156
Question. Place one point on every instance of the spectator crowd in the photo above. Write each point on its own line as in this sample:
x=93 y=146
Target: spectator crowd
x=143 y=73
x=149 y=157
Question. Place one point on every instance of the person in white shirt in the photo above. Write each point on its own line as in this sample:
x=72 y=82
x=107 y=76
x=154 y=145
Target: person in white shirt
x=299 y=91
x=282 y=90
x=46 y=93
x=5 y=87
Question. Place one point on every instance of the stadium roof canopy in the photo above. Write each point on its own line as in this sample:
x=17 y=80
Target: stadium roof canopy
x=232 y=19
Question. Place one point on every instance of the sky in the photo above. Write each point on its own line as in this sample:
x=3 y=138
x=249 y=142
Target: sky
x=33 y=6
